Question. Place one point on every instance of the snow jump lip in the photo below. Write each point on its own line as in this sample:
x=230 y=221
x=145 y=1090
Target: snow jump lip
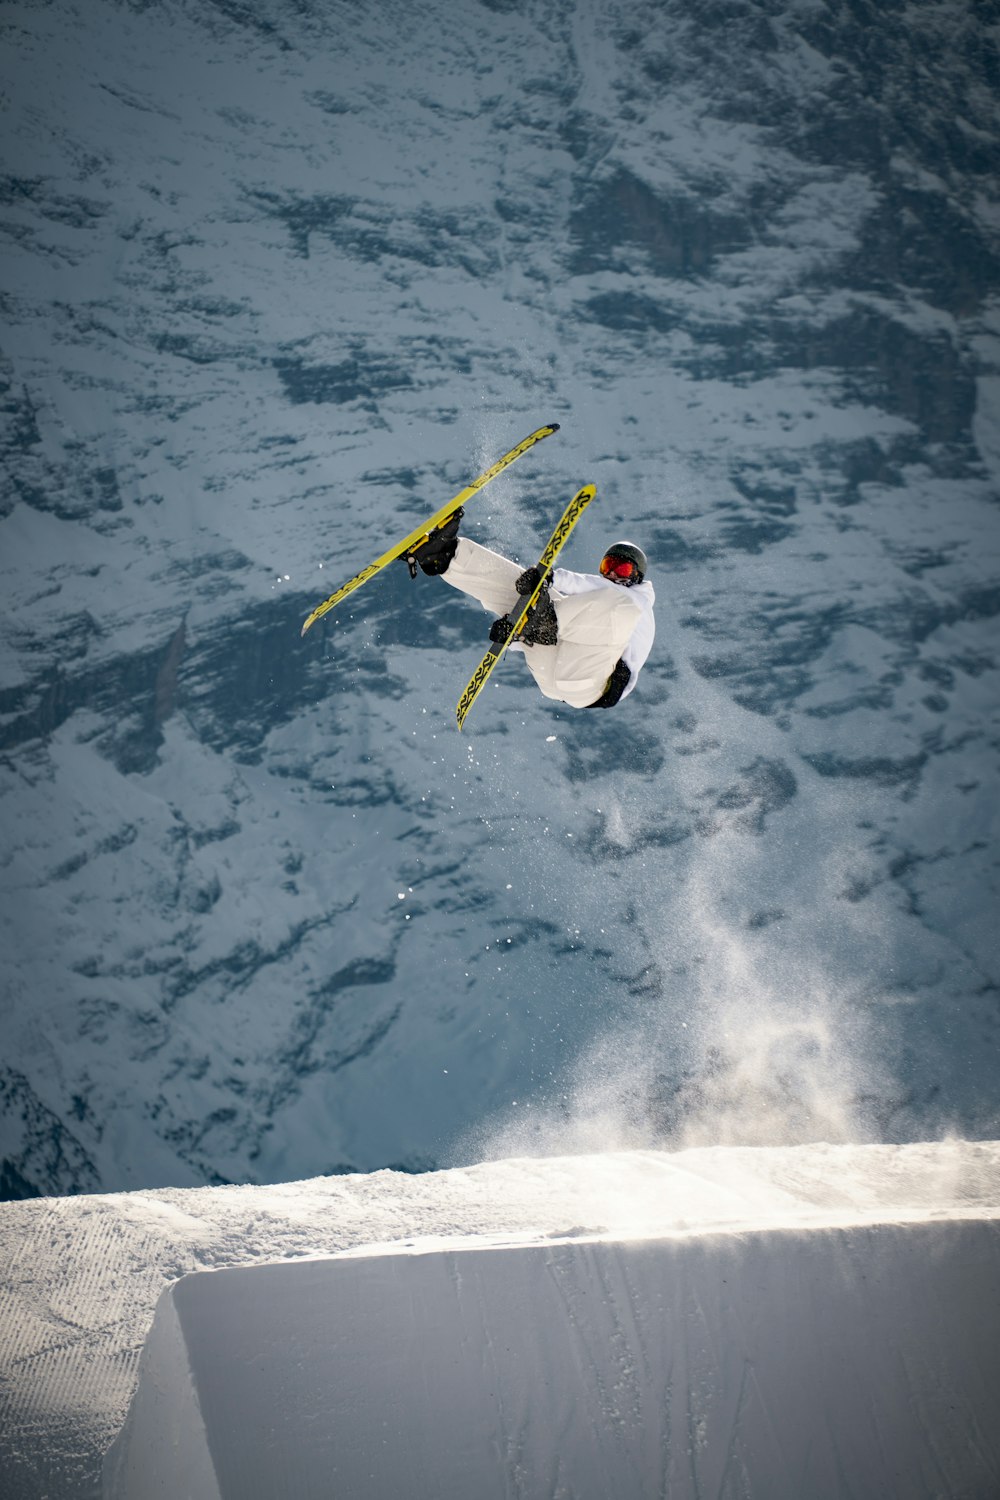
x=781 y=1363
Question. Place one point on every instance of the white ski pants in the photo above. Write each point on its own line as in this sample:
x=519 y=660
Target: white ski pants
x=594 y=627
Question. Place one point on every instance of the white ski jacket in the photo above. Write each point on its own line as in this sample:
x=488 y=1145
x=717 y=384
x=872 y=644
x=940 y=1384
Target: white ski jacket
x=600 y=622
x=640 y=641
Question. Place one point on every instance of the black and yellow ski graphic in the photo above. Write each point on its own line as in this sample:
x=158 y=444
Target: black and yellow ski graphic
x=426 y=527
x=556 y=542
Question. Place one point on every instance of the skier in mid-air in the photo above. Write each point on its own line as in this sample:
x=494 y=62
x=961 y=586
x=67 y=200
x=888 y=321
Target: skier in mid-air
x=587 y=635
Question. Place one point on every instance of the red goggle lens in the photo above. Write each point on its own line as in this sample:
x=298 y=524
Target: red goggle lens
x=617 y=567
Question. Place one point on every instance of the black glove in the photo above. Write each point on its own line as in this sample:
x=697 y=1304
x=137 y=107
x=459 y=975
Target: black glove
x=500 y=630
x=614 y=687
x=529 y=581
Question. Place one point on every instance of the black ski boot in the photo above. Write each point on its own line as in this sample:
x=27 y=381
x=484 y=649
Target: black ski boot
x=541 y=627
x=436 y=553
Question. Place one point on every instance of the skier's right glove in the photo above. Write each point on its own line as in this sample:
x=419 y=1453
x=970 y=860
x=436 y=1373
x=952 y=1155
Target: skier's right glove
x=614 y=687
x=500 y=630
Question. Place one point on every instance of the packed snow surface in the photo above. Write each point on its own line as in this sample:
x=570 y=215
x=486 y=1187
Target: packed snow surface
x=779 y=1364
x=866 y=1279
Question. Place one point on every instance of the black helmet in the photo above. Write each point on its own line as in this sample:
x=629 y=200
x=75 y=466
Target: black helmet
x=624 y=563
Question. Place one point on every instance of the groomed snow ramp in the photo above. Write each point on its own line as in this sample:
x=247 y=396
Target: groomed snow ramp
x=856 y=1363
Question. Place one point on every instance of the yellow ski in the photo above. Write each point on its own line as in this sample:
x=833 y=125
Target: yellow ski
x=556 y=542
x=426 y=527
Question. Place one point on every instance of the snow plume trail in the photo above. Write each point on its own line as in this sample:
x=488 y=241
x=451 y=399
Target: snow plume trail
x=746 y=1042
x=777 y=1055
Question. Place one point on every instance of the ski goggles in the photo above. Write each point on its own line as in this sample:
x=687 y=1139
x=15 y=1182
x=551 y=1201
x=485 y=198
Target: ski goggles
x=617 y=567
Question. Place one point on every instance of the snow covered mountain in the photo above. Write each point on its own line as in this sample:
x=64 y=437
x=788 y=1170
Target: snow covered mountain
x=277 y=280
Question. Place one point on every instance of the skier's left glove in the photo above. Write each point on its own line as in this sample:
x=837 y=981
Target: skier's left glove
x=500 y=630
x=529 y=581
